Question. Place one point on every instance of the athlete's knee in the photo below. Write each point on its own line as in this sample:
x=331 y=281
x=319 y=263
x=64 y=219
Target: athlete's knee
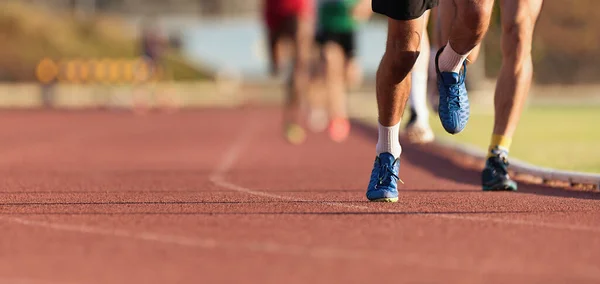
x=516 y=39
x=302 y=62
x=475 y=14
x=400 y=61
x=402 y=48
x=333 y=54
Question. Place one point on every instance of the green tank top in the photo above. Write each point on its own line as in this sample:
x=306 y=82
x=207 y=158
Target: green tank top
x=336 y=15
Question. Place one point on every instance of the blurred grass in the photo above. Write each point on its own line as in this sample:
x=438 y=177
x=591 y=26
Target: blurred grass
x=549 y=135
x=566 y=44
x=561 y=137
x=29 y=33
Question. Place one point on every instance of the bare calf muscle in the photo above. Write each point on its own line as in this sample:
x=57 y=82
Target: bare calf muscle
x=518 y=23
x=393 y=84
x=468 y=24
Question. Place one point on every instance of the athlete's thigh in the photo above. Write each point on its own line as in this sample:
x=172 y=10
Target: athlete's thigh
x=403 y=10
x=303 y=38
x=405 y=23
x=273 y=37
x=520 y=12
x=347 y=41
x=405 y=36
x=446 y=13
x=334 y=58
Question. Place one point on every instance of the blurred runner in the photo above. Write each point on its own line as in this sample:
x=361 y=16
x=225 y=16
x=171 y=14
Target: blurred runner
x=338 y=21
x=418 y=129
x=154 y=45
x=291 y=20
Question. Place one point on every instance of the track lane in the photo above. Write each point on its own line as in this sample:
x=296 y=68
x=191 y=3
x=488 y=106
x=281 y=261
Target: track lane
x=157 y=199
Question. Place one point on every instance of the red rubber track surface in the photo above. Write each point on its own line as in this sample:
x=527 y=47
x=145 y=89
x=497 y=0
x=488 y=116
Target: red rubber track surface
x=216 y=196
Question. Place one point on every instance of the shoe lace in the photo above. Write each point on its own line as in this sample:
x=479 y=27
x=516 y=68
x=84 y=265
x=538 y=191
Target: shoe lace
x=453 y=98
x=500 y=164
x=386 y=174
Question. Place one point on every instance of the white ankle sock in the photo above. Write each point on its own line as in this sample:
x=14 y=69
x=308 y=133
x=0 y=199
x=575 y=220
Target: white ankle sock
x=431 y=65
x=418 y=95
x=450 y=61
x=388 y=141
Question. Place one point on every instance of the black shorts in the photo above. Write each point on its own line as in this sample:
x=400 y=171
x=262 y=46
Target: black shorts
x=403 y=10
x=346 y=40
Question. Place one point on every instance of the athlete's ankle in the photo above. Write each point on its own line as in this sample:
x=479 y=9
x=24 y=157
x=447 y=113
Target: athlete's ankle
x=499 y=143
x=451 y=61
x=388 y=141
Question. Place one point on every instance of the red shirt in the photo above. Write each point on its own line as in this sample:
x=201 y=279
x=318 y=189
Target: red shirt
x=277 y=10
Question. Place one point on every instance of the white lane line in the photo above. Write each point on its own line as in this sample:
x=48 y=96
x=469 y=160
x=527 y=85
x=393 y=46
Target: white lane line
x=557 y=226
x=147 y=236
x=208 y=243
x=378 y=256
x=267 y=247
x=203 y=243
x=232 y=154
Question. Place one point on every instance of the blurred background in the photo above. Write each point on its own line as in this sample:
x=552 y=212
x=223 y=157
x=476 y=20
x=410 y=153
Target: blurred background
x=87 y=54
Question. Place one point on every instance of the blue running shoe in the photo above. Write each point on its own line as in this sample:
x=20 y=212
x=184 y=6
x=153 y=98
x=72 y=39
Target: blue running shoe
x=383 y=185
x=453 y=107
x=495 y=174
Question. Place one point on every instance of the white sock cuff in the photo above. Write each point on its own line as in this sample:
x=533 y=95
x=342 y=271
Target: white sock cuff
x=388 y=140
x=450 y=60
x=418 y=94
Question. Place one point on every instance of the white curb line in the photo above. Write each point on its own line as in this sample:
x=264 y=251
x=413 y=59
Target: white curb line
x=520 y=167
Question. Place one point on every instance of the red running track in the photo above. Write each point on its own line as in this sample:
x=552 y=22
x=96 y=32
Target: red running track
x=215 y=196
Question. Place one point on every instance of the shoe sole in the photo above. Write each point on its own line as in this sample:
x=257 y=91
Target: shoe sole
x=295 y=135
x=318 y=121
x=389 y=199
x=419 y=135
x=340 y=133
x=502 y=186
